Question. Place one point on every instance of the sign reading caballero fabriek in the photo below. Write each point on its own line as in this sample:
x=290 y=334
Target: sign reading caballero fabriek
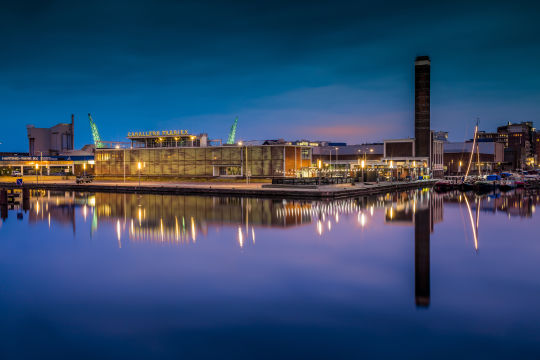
x=137 y=134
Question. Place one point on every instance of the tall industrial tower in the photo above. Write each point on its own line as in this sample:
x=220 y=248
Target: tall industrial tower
x=422 y=125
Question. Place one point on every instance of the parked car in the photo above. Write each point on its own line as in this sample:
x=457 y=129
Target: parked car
x=16 y=173
x=83 y=179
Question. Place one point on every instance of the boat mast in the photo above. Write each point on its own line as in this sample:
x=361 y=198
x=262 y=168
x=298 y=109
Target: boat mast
x=478 y=159
x=472 y=150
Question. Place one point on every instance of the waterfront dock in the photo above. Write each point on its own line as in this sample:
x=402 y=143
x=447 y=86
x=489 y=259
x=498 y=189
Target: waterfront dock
x=229 y=189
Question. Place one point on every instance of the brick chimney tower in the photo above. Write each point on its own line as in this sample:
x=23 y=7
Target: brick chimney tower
x=422 y=125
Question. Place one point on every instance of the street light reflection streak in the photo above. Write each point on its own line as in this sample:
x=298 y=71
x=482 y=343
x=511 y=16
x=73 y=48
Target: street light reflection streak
x=193 y=233
x=118 y=233
x=240 y=237
x=475 y=236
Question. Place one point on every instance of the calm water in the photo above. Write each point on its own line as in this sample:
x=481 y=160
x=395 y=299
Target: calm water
x=407 y=275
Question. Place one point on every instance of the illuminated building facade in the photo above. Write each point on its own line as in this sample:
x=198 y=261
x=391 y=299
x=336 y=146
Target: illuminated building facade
x=520 y=143
x=176 y=153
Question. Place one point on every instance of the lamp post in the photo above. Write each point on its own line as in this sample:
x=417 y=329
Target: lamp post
x=336 y=157
x=364 y=161
x=139 y=168
x=84 y=169
x=330 y=158
x=247 y=167
x=37 y=174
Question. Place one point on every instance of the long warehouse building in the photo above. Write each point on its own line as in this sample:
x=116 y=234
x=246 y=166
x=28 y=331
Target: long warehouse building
x=176 y=153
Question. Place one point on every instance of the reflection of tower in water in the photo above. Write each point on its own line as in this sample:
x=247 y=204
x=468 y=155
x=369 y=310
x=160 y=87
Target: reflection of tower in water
x=424 y=210
x=422 y=230
x=425 y=218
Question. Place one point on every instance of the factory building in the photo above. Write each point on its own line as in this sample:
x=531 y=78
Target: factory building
x=176 y=153
x=50 y=141
x=458 y=154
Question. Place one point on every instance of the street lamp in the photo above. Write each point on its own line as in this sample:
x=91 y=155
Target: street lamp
x=364 y=161
x=84 y=169
x=139 y=165
x=37 y=173
x=336 y=157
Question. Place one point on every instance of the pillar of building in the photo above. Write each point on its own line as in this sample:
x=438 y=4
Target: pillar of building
x=422 y=126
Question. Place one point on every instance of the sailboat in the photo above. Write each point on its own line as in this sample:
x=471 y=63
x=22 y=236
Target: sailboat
x=469 y=182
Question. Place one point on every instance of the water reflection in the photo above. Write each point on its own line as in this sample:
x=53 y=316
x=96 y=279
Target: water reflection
x=182 y=220
x=334 y=275
x=179 y=219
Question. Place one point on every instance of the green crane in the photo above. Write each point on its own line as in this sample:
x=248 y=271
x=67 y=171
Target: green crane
x=232 y=133
x=95 y=133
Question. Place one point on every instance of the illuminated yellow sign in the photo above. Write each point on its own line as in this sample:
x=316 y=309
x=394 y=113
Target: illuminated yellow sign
x=157 y=133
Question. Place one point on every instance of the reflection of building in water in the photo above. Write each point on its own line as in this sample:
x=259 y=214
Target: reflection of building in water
x=401 y=207
x=518 y=202
x=57 y=207
x=424 y=210
x=172 y=218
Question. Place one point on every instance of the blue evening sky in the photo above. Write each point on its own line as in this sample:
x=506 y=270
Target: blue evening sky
x=321 y=70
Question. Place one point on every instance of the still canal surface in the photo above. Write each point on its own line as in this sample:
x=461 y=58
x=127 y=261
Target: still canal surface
x=407 y=275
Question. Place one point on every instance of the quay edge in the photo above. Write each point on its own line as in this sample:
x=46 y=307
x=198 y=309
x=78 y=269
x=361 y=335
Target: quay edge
x=282 y=193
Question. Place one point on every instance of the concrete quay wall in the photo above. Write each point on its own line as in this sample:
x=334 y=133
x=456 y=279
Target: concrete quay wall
x=323 y=192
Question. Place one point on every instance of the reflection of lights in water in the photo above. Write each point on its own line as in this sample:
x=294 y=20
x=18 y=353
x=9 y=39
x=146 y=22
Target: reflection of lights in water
x=371 y=211
x=240 y=237
x=176 y=232
x=161 y=228
x=132 y=230
x=94 y=223
x=37 y=207
x=118 y=233
x=337 y=218
x=140 y=216
x=85 y=212
x=49 y=219
x=92 y=201
x=472 y=223
x=329 y=225
x=319 y=227
x=391 y=213
x=362 y=220
x=253 y=234
x=193 y=233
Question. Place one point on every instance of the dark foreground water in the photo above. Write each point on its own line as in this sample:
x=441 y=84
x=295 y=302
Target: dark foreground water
x=409 y=275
